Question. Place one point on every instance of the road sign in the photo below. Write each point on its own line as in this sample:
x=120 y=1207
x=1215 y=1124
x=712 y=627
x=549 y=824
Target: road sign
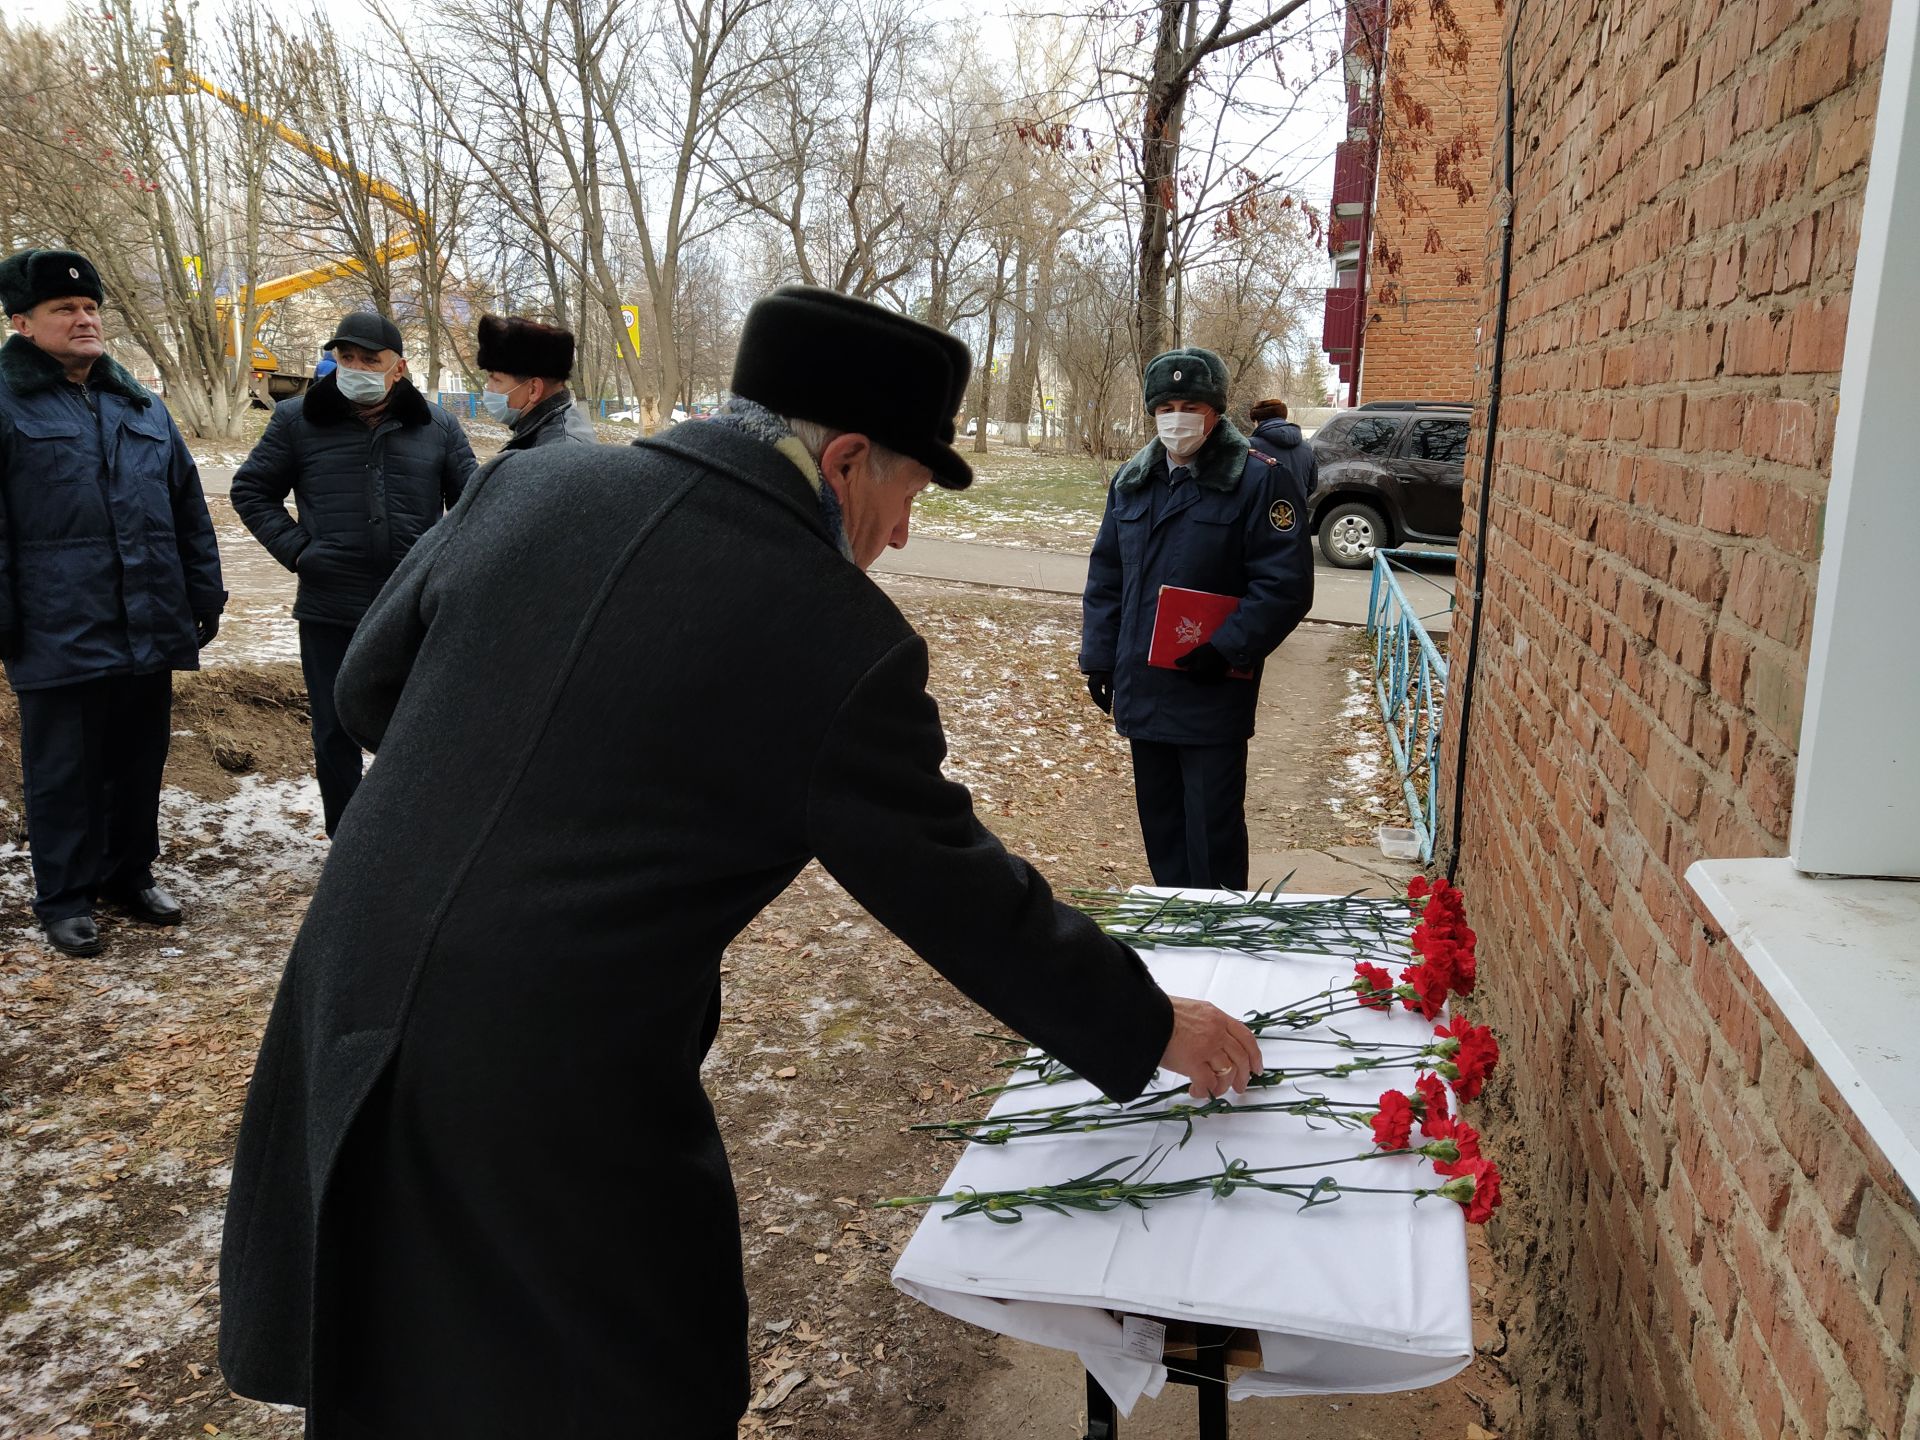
x=630 y=316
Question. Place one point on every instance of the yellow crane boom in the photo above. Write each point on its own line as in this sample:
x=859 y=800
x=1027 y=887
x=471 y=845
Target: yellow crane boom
x=270 y=293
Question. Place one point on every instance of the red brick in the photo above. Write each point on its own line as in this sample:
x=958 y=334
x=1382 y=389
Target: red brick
x=1819 y=336
x=1821 y=63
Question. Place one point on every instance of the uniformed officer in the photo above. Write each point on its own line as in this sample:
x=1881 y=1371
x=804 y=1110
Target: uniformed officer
x=1200 y=509
x=109 y=582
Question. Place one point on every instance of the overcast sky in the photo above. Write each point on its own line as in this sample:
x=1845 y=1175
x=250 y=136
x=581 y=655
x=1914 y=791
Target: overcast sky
x=1299 y=156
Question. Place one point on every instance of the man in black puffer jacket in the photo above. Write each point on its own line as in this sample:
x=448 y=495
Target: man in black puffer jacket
x=371 y=465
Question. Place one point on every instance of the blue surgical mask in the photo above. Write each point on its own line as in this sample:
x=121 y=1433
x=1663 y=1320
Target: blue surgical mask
x=362 y=387
x=495 y=404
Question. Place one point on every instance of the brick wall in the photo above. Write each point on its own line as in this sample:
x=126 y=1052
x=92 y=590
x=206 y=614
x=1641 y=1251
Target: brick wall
x=1421 y=315
x=1706 y=1243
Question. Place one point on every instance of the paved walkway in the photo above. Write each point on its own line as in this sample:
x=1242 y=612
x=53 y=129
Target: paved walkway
x=1339 y=596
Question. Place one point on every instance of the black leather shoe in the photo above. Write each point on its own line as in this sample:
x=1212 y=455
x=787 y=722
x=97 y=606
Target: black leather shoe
x=153 y=905
x=75 y=935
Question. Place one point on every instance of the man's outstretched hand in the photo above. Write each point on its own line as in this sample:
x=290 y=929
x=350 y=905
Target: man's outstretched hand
x=1211 y=1048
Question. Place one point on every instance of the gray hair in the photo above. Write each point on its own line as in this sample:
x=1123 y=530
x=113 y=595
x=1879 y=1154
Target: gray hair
x=816 y=437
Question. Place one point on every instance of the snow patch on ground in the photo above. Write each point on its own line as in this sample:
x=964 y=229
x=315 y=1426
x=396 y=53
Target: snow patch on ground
x=266 y=828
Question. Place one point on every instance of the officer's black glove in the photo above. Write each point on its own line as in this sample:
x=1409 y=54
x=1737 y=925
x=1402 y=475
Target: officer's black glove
x=1100 y=687
x=205 y=627
x=10 y=642
x=1204 y=664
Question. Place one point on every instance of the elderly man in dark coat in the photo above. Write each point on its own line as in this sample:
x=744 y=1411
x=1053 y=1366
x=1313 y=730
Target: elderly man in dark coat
x=527 y=366
x=1197 y=508
x=621 y=696
x=371 y=463
x=109 y=582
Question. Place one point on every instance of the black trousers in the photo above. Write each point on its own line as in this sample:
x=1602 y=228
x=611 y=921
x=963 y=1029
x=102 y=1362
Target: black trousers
x=337 y=760
x=1193 y=812
x=91 y=757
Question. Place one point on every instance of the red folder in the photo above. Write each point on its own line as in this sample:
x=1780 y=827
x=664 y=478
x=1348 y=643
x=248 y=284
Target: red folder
x=1185 y=620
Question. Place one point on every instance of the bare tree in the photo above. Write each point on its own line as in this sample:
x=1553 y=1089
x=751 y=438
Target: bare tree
x=162 y=187
x=822 y=151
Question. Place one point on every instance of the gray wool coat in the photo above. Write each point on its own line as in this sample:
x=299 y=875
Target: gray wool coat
x=620 y=697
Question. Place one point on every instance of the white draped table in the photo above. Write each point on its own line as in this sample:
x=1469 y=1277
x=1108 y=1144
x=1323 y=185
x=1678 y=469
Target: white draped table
x=1364 y=1295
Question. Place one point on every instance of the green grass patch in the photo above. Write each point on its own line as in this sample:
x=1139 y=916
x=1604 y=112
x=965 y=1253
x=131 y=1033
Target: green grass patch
x=1021 y=498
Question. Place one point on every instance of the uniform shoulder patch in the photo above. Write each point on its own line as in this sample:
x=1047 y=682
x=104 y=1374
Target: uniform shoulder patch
x=1281 y=515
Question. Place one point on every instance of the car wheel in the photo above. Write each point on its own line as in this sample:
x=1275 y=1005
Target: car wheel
x=1350 y=533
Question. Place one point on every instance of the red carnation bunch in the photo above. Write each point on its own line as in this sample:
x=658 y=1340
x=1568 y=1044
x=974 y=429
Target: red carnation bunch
x=1475 y=1054
x=1375 y=986
x=1393 y=1121
x=1443 y=942
x=1431 y=1101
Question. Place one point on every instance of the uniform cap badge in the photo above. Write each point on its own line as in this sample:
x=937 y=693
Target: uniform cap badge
x=72 y=273
x=1176 y=375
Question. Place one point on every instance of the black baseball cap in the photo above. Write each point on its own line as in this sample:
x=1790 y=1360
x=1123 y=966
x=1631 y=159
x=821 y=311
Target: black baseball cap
x=369 y=330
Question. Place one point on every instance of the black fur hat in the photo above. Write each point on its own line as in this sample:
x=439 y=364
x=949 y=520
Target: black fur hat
x=525 y=347
x=29 y=276
x=812 y=354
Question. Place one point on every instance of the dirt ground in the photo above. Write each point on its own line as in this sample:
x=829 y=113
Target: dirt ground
x=121 y=1076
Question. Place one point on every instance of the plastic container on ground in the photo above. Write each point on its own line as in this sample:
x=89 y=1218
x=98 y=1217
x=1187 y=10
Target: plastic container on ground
x=1399 y=843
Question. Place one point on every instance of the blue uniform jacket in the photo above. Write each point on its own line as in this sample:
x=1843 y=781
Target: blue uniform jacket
x=106 y=548
x=1237 y=527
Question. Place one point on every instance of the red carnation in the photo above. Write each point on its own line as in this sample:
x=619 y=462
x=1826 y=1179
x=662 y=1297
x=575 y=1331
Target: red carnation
x=1466 y=1140
x=1375 y=986
x=1393 y=1121
x=1486 y=1188
x=1429 y=989
x=1465 y=967
x=1479 y=1052
x=1433 y=1104
x=1417 y=888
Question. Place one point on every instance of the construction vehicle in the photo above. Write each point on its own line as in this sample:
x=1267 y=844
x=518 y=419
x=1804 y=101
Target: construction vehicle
x=273 y=380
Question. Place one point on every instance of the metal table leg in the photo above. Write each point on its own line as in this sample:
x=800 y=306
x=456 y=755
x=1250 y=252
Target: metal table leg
x=1210 y=1380
x=1103 y=1421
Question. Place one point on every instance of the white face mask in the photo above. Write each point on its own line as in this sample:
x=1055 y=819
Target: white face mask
x=1181 y=431
x=362 y=387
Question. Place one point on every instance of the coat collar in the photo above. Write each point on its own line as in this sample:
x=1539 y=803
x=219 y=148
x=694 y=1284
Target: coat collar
x=1218 y=466
x=550 y=411
x=323 y=404
x=745 y=457
x=27 y=369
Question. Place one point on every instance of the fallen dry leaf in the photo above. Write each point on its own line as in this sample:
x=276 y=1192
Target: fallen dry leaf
x=785 y=1386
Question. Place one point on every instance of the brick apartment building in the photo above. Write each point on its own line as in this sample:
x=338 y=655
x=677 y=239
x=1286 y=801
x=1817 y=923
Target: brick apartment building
x=1400 y=226
x=1714 y=1227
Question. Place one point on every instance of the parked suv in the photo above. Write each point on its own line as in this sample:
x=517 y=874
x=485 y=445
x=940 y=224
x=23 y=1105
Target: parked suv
x=1390 y=472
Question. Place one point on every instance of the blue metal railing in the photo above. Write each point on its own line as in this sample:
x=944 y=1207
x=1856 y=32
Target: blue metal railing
x=1410 y=682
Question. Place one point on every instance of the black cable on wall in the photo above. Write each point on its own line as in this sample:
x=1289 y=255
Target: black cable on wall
x=1486 y=466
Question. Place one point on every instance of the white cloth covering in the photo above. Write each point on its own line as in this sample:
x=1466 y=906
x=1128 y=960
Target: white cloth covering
x=1365 y=1295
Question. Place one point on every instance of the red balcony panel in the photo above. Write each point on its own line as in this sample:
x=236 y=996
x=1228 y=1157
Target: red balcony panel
x=1352 y=173
x=1337 y=329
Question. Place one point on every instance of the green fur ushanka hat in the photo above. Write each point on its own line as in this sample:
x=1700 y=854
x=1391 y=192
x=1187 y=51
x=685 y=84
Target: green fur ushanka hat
x=1186 y=374
x=28 y=277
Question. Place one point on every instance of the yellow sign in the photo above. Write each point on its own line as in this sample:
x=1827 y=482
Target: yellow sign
x=630 y=315
x=196 y=271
